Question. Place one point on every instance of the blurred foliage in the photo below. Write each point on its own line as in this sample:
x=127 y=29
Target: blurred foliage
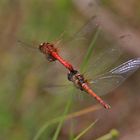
x=25 y=105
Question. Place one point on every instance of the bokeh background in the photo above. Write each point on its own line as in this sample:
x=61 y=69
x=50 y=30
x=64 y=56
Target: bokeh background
x=26 y=100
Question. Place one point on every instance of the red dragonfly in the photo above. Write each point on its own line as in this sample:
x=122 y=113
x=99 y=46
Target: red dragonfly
x=51 y=51
x=117 y=75
x=103 y=83
x=52 y=55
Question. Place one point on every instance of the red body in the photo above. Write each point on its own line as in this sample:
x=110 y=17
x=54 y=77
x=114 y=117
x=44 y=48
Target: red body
x=81 y=83
x=90 y=91
x=52 y=55
x=62 y=61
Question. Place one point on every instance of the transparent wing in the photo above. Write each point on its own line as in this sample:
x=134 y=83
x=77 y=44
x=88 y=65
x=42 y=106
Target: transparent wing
x=102 y=59
x=26 y=45
x=73 y=42
x=85 y=33
x=57 y=89
x=102 y=56
x=107 y=82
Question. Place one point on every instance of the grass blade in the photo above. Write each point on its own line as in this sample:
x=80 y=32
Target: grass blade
x=62 y=120
x=113 y=134
x=85 y=130
x=56 y=120
x=45 y=126
x=89 y=51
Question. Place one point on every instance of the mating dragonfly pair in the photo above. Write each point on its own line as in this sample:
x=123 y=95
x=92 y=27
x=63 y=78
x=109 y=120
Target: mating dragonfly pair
x=103 y=83
x=114 y=77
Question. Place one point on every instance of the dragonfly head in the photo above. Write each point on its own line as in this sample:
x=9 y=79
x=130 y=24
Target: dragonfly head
x=48 y=49
x=42 y=47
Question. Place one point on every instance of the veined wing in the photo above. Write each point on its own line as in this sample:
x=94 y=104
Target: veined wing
x=24 y=44
x=107 y=82
x=102 y=59
x=86 y=32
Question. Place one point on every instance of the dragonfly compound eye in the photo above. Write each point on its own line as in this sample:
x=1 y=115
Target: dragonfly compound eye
x=41 y=47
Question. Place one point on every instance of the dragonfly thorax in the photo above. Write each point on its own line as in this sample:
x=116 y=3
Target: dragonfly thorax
x=48 y=49
x=76 y=78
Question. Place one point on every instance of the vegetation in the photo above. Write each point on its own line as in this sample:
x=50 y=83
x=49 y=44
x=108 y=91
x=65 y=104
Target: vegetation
x=29 y=110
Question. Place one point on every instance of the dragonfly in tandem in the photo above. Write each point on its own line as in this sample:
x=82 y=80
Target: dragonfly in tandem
x=113 y=78
x=103 y=83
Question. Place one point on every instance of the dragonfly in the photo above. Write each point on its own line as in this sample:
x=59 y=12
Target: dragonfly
x=105 y=82
x=101 y=84
x=50 y=50
x=52 y=55
x=111 y=80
